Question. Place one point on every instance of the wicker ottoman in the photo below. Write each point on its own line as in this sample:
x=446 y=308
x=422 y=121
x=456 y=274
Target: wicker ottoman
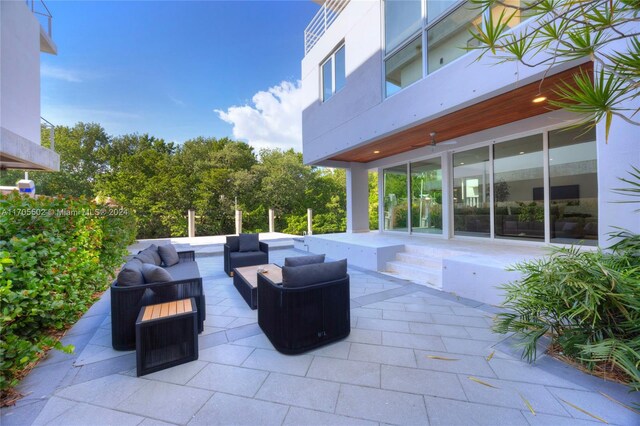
x=166 y=335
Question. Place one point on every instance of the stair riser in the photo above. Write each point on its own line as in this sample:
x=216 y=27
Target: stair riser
x=423 y=261
x=415 y=274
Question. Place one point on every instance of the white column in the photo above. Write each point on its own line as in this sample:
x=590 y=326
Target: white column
x=191 y=219
x=357 y=198
x=272 y=221
x=238 y=221
x=309 y=222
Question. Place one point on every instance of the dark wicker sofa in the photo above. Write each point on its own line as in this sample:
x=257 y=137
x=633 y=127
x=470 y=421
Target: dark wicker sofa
x=126 y=302
x=298 y=319
x=234 y=258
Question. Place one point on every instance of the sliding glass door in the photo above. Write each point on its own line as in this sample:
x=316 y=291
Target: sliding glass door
x=395 y=198
x=471 y=207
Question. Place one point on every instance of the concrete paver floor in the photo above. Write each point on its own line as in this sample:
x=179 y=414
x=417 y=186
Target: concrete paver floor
x=414 y=356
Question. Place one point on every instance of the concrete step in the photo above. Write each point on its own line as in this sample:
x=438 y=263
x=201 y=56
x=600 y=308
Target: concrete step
x=428 y=251
x=416 y=273
x=420 y=260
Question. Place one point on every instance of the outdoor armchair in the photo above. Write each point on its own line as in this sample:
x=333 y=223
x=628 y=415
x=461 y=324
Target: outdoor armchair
x=237 y=254
x=300 y=318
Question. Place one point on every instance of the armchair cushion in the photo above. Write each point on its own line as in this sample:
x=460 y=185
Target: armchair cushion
x=301 y=276
x=304 y=260
x=131 y=274
x=168 y=254
x=249 y=242
x=233 y=243
x=152 y=251
x=247 y=256
x=145 y=258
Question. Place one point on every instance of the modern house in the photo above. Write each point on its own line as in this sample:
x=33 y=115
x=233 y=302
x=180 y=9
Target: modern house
x=474 y=172
x=25 y=33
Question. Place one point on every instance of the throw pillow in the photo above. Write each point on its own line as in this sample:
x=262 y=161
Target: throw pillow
x=301 y=276
x=155 y=274
x=169 y=254
x=249 y=242
x=304 y=260
x=145 y=258
x=130 y=274
x=152 y=251
x=233 y=243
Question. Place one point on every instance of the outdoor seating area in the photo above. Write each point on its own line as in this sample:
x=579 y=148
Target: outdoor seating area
x=414 y=355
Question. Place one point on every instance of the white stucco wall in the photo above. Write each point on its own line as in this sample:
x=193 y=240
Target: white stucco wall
x=20 y=71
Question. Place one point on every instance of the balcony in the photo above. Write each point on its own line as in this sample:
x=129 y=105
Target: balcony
x=43 y=14
x=326 y=16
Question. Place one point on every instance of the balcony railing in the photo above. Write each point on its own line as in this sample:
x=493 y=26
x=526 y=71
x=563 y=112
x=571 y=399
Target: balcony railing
x=52 y=129
x=40 y=9
x=322 y=21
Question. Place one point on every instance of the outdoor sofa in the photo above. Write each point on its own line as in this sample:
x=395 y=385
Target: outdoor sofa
x=244 y=250
x=309 y=309
x=129 y=295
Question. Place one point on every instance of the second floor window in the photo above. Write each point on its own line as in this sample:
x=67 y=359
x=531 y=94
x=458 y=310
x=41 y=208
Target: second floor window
x=333 y=73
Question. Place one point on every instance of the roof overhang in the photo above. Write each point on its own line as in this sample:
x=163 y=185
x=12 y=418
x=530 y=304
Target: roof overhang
x=509 y=107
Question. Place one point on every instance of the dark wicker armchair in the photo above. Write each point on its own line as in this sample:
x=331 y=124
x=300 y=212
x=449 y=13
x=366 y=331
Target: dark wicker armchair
x=234 y=258
x=303 y=318
x=126 y=302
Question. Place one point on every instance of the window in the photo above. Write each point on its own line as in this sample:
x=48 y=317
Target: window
x=333 y=73
x=448 y=38
x=518 y=188
x=471 y=212
x=402 y=19
x=426 y=196
x=395 y=198
x=573 y=186
x=403 y=67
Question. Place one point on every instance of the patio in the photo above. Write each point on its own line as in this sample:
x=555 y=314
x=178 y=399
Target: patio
x=414 y=356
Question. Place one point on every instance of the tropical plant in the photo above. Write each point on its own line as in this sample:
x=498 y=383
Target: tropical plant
x=605 y=31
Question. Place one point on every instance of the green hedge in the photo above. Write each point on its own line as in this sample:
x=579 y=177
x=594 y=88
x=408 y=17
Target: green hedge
x=55 y=255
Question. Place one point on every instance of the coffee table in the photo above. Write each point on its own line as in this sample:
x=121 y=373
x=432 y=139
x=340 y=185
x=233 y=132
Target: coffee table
x=245 y=280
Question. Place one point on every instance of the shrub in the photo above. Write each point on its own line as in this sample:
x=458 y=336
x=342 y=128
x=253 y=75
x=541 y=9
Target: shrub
x=587 y=302
x=55 y=254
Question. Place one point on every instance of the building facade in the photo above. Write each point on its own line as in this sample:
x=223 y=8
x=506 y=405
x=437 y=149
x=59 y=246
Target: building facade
x=461 y=149
x=25 y=33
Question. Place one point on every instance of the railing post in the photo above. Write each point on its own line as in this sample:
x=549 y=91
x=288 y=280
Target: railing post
x=238 y=221
x=309 y=222
x=191 y=214
x=272 y=222
x=52 y=138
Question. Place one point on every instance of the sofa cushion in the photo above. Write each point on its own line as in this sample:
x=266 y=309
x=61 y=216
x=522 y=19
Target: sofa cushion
x=304 y=260
x=301 y=276
x=184 y=270
x=152 y=251
x=130 y=274
x=233 y=243
x=155 y=274
x=249 y=242
x=168 y=254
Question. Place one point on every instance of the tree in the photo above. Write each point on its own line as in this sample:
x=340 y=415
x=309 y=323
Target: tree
x=606 y=31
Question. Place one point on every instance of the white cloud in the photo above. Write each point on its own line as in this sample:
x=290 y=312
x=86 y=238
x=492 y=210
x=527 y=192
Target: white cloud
x=60 y=74
x=274 y=120
x=177 y=101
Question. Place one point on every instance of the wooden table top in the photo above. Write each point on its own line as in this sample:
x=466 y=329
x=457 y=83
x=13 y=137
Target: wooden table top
x=167 y=309
x=250 y=273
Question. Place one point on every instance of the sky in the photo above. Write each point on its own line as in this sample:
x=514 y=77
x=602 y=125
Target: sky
x=179 y=69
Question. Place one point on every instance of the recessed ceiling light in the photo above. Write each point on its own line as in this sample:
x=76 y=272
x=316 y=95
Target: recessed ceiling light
x=521 y=152
x=376 y=152
x=539 y=99
x=462 y=164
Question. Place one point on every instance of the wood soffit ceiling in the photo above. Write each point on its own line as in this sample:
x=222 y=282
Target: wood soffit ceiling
x=502 y=109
